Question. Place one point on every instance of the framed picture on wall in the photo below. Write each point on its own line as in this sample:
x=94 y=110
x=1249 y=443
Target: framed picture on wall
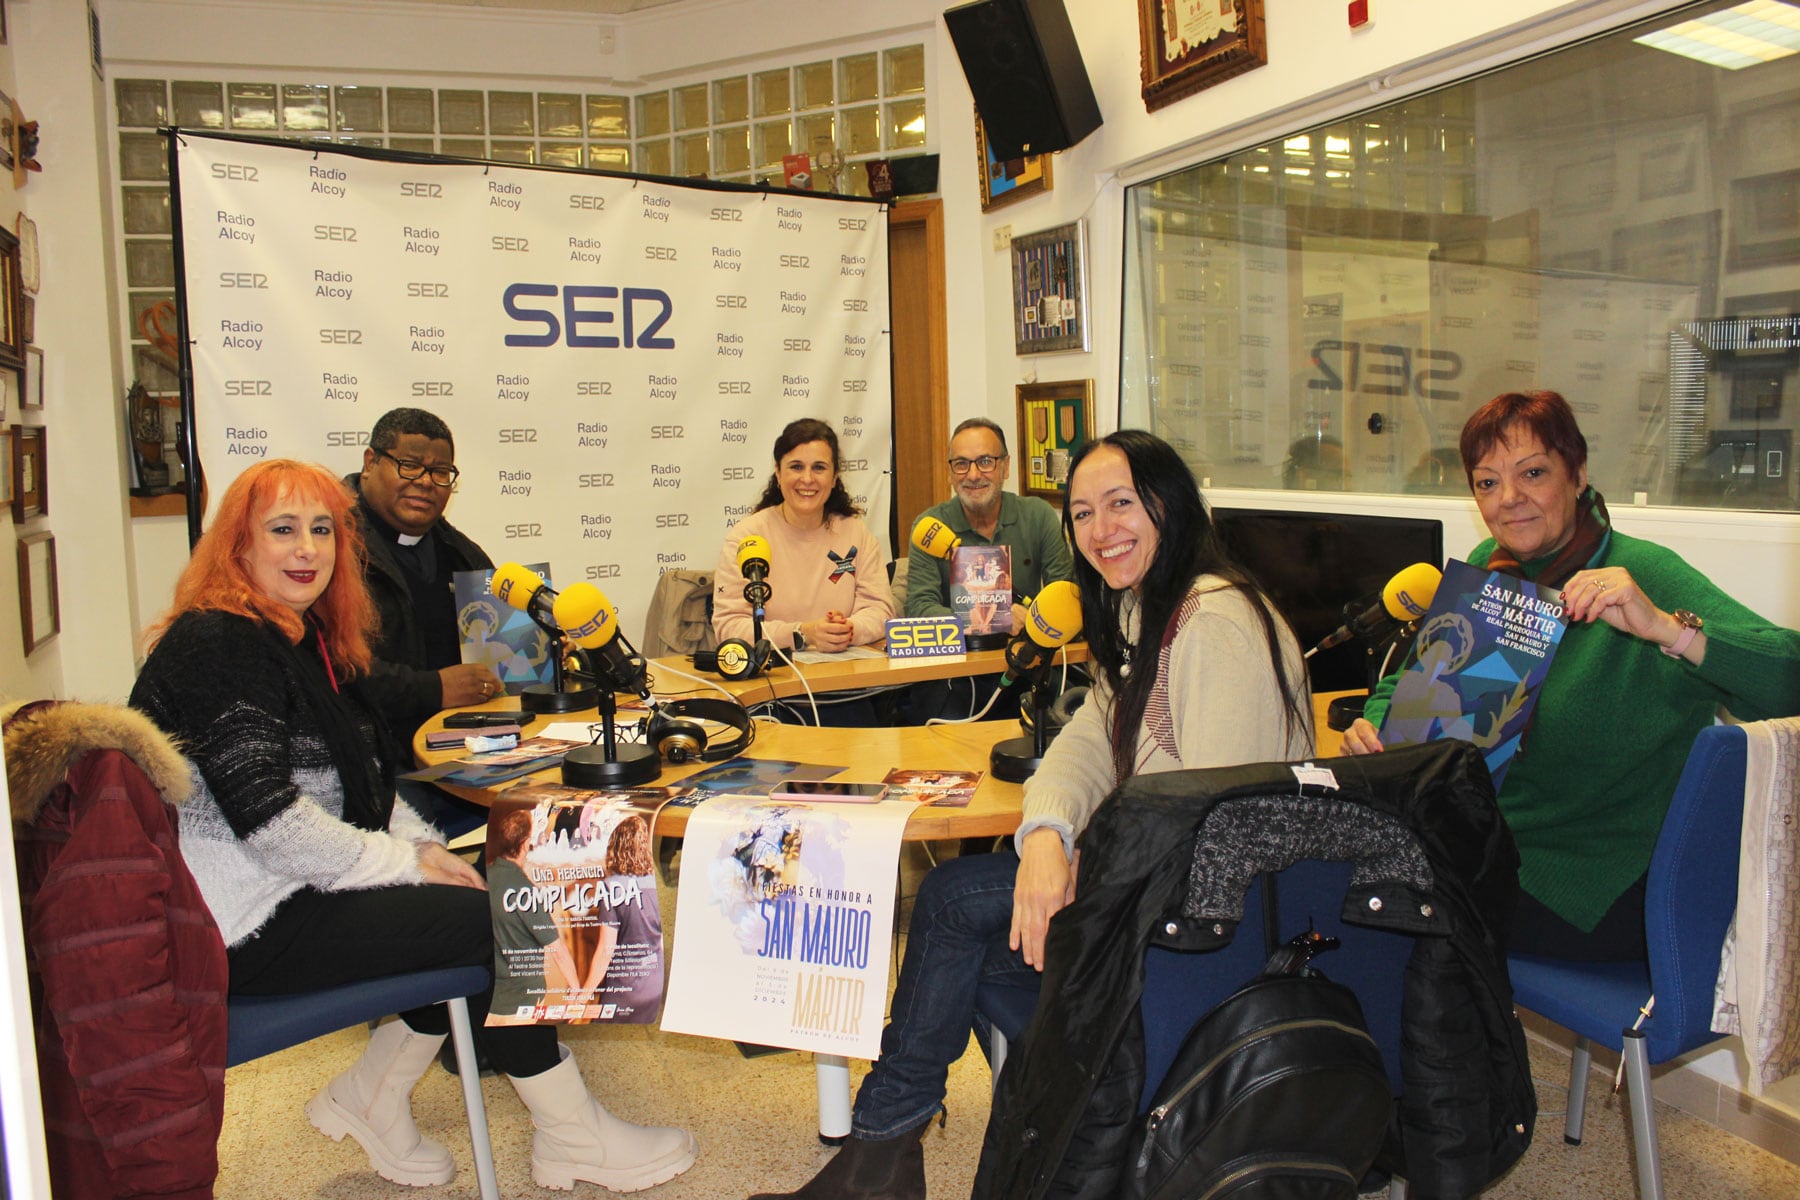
x=28 y=497
x=12 y=315
x=32 y=399
x=1054 y=420
x=1765 y=220
x=1186 y=46
x=1002 y=182
x=1049 y=270
x=40 y=614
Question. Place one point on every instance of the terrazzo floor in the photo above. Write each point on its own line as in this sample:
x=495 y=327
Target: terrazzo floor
x=756 y=1118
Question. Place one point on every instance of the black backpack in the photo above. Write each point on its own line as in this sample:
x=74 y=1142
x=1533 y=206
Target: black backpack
x=1278 y=1093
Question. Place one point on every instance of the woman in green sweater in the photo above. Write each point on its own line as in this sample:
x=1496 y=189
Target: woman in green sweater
x=1653 y=650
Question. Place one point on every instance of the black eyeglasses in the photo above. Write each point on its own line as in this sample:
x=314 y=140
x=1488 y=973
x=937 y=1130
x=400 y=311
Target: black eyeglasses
x=987 y=462
x=410 y=470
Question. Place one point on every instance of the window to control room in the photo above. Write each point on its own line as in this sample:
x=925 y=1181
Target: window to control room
x=1618 y=220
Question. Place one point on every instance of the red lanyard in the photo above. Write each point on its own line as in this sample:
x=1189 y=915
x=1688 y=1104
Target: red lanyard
x=325 y=654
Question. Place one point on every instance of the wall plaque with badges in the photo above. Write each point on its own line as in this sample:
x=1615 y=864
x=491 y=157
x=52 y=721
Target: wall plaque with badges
x=1054 y=420
x=1186 y=46
x=1049 y=273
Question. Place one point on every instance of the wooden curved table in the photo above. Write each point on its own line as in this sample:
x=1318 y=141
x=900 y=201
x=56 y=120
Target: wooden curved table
x=866 y=754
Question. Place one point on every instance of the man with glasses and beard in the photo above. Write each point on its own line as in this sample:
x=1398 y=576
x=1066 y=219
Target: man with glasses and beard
x=408 y=473
x=982 y=513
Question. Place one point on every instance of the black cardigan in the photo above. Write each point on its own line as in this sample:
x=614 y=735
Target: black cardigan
x=1067 y=1101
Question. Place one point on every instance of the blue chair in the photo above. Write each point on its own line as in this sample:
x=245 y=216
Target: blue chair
x=1691 y=894
x=259 y=1025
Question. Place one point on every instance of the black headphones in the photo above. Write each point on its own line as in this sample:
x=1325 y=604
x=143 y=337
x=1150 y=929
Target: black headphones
x=680 y=739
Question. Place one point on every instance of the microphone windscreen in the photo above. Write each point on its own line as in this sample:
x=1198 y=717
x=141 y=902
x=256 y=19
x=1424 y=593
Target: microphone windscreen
x=1055 y=616
x=754 y=548
x=516 y=585
x=1409 y=594
x=933 y=537
x=585 y=616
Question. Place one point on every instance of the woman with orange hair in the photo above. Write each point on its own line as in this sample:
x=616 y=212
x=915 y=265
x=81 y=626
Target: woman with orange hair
x=316 y=874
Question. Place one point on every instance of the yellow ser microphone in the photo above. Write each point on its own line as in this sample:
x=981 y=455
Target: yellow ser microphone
x=931 y=536
x=588 y=619
x=1052 y=623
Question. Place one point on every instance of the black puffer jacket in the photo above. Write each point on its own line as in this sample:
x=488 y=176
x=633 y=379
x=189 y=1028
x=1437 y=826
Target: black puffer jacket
x=1068 y=1098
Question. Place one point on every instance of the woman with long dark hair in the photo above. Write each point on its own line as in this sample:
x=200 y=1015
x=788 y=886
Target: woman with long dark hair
x=1194 y=668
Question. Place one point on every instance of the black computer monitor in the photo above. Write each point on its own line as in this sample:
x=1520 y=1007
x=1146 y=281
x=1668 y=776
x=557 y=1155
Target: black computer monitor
x=1313 y=564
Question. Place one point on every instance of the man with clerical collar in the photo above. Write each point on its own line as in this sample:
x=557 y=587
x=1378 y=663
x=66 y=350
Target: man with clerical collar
x=982 y=513
x=408 y=473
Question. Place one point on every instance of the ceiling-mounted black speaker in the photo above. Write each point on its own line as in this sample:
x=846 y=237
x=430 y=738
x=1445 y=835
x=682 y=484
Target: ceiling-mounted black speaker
x=1026 y=74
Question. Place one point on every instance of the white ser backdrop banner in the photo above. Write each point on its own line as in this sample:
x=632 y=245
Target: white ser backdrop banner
x=615 y=356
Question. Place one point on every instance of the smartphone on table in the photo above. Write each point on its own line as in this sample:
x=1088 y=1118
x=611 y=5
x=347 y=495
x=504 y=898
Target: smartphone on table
x=482 y=718
x=828 y=789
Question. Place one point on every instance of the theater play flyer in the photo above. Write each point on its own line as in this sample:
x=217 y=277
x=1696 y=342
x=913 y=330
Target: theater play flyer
x=946 y=789
x=785 y=911
x=1475 y=670
x=499 y=635
x=981 y=589
x=572 y=889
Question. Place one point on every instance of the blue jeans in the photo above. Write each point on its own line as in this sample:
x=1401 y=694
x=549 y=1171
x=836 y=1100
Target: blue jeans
x=956 y=943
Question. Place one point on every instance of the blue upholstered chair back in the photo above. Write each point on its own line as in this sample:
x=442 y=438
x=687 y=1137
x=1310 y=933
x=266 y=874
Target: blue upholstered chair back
x=1690 y=896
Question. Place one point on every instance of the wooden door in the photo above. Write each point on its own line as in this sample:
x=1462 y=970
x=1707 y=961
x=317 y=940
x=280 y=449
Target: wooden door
x=920 y=362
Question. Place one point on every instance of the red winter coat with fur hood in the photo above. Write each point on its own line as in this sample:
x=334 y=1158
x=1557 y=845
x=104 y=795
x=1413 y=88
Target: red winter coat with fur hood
x=128 y=972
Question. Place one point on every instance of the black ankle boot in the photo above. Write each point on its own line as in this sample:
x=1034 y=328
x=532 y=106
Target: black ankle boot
x=890 y=1170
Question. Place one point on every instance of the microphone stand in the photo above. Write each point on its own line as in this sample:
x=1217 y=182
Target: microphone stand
x=608 y=763
x=561 y=695
x=1017 y=759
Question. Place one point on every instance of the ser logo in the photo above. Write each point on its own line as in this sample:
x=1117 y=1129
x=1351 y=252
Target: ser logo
x=671 y=520
x=731 y=302
x=668 y=431
x=249 y=387
x=428 y=291
x=589 y=202
x=796 y=343
x=593 y=387
x=598 y=479
x=729 y=474
x=234 y=171
x=856 y=385
x=518 y=436
x=516 y=245
x=577 y=310
x=333 y=233
x=853 y=464
x=858 y=224
x=664 y=253
x=727 y=214
x=433 y=387
x=341 y=337
x=424 y=191
x=734 y=387
x=856 y=306
x=346 y=437
x=529 y=530
x=243 y=279
x=602 y=571
x=796 y=261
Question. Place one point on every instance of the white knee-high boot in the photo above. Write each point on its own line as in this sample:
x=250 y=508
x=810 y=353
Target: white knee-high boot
x=578 y=1139
x=372 y=1102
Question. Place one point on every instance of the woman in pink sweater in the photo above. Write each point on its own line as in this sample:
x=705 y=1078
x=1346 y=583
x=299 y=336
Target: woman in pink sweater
x=827 y=570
